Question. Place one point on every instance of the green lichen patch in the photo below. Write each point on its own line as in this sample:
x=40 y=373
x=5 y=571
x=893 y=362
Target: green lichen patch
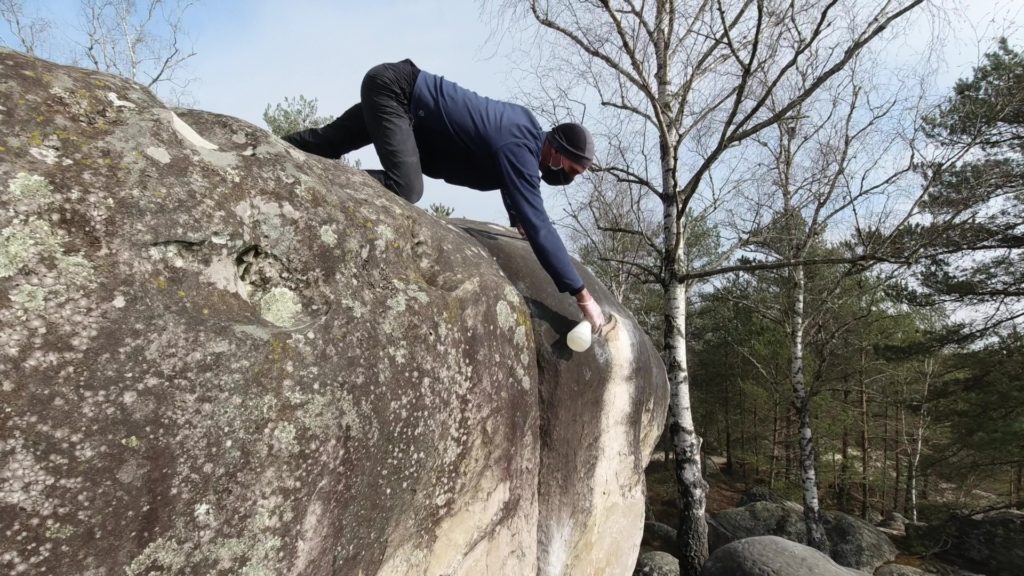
x=58 y=531
x=29 y=193
x=505 y=317
x=76 y=271
x=164 y=554
x=280 y=306
x=28 y=298
x=328 y=236
x=24 y=241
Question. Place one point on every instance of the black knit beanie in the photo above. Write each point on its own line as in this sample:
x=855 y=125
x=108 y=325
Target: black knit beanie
x=573 y=141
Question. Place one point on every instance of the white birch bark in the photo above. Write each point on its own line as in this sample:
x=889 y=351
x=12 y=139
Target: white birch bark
x=816 y=537
x=917 y=447
x=692 y=536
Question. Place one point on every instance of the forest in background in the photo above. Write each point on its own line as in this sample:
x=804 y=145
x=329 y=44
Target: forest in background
x=912 y=356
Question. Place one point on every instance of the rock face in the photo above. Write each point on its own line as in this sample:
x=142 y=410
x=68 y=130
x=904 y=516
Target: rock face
x=772 y=556
x=854 y=542
x=221 y=355
x=587 y=487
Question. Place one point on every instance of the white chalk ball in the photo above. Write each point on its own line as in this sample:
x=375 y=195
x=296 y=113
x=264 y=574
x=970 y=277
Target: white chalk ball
x=579 y=337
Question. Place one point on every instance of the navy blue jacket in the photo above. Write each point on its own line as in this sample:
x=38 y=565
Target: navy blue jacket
x=469 y=140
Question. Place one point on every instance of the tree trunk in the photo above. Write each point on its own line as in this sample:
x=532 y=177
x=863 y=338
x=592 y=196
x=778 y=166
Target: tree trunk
x=914 y=455
x=883 y=498
x=729 y=460
x=667 y=433
x=865 y=504
x=692 y=537
x=816 y=537
x=896 y=456
x=911 y=498
x=842 y=484
x=1012 y=503
x=776 y=426
x=757 y=444
x=1015 y=490
x=791 y=425
x=742 y=450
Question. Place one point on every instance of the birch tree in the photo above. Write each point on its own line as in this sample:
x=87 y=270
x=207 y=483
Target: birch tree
x=914 y=441
x=834 y=164
x=690 y=81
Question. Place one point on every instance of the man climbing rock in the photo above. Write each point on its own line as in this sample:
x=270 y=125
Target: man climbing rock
x=420 y=124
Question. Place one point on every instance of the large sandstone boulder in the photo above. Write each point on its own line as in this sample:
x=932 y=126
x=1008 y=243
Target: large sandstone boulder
x=221 y=355
x=772 y=556
x=854 y=542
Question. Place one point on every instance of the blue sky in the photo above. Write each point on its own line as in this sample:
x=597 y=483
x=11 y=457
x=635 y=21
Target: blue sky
x=257 y=52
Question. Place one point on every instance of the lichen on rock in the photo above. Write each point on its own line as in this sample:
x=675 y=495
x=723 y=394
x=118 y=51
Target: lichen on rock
x=280 y=306
x=25 y=241
x=29 y=193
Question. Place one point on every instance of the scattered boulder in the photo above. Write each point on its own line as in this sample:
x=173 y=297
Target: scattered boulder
x=760 y=518
x=854 y=542
x=656 y=564
x=893 y=521
x=772 y=556
x=222 y=355
x=762 y=493
x=659 y=537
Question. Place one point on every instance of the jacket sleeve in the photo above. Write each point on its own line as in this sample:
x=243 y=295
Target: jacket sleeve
x=512 y=220
x=521 y=192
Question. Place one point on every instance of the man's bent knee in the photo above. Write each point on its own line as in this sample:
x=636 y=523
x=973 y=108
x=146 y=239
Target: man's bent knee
x=411 y=191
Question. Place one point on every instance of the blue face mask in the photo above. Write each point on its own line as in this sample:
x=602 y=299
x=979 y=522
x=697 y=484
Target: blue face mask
x=555 y=176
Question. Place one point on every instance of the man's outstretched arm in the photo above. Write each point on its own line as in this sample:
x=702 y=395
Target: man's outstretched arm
x=521 y=191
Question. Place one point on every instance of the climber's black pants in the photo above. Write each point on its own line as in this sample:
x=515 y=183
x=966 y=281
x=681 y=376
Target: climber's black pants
x=381 y=117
